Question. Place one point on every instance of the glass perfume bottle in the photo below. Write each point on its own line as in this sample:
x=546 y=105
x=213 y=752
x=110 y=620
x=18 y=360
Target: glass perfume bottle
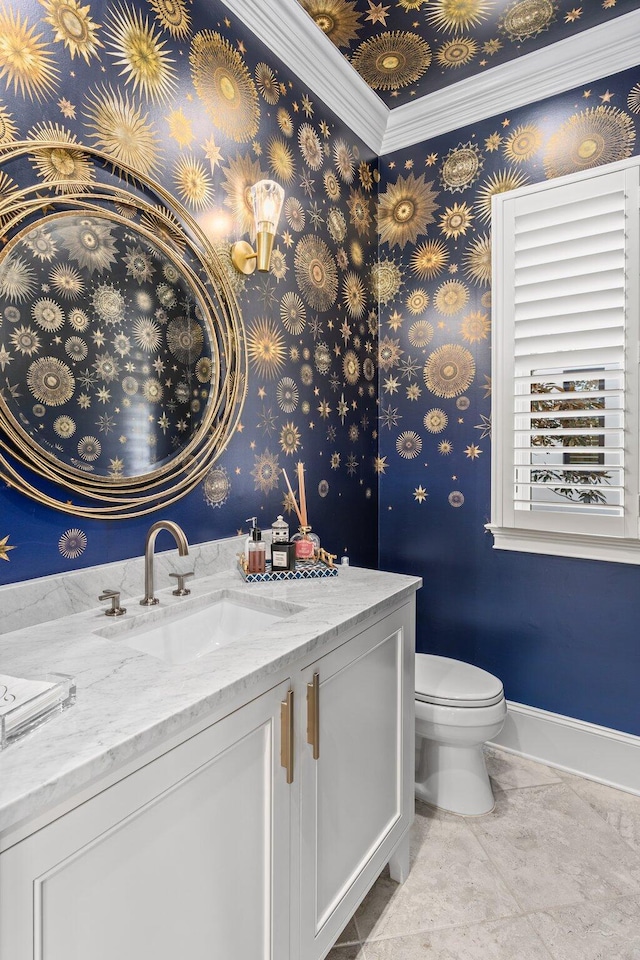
x=307 y=544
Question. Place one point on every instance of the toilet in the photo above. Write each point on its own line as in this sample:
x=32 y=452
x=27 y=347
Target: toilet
x=458 y=708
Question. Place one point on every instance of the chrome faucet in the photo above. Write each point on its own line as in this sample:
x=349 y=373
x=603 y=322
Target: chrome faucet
x=183 y=549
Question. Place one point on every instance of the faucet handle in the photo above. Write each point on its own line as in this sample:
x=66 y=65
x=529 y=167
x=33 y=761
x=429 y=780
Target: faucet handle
x=115 y=610
x=181 y=590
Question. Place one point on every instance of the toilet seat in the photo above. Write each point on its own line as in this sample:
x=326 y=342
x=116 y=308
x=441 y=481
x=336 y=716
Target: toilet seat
x=451 y=683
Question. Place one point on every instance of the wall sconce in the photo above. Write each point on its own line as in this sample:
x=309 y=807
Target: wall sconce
x=266 y=199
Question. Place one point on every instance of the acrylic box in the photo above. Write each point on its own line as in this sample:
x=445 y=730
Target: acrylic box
x=53 y=693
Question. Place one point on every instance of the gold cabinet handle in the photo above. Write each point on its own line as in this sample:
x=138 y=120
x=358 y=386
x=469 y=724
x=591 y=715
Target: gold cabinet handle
x=313 y=715
x=286 y=735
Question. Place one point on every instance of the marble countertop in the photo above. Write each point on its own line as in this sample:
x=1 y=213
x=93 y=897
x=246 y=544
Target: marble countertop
x=129 y=702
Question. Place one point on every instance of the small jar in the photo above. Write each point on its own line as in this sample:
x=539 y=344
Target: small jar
x=279 y=531
x=307 y=544
x=283 y=557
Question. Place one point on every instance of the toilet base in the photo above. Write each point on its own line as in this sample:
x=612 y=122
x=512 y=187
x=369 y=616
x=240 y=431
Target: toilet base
x=454 y=778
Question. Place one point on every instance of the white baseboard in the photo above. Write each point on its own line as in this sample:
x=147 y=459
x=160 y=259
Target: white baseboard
x=597 y=753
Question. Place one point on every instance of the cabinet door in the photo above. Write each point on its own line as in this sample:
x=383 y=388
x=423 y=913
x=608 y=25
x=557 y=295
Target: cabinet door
x=186 y=858
x=356 y=798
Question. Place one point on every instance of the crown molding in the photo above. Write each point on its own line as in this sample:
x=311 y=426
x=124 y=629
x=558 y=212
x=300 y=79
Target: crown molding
x=290 y=33
x=583 y=58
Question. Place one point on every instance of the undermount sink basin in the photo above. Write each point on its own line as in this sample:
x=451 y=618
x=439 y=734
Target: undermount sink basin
x=186 y=631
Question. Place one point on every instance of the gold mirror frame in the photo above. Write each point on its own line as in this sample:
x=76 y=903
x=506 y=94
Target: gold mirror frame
x=169 y=228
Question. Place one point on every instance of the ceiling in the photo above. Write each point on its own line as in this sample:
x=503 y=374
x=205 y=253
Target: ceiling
x=576 y=44
x=406 y=49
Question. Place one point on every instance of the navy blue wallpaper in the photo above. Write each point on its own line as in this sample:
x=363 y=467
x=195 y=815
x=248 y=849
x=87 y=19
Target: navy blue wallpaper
x=186 y=96
x=562 y=634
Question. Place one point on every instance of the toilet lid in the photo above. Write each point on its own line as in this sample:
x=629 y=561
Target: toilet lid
x=452 y=683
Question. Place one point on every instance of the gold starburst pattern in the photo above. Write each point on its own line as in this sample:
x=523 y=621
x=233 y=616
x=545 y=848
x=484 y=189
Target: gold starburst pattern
x=180 y=128
x=138 y=264
x=354 y=295
x=449 y=370
x=293 y=314
x=456 y=220
x=451 y=297
x=420 y=334
x=17 y=279
x=225 y=86
x=351 y=367
x=50 y=381
x=445 y=447
x=475 y=327
x=457 y=52
x=266 y=348
x=192 y=181
x=72 y=544
x=359 y=212
x=310 y=146
x=417 y=301
x=26 y=63
x=477 y=260
x=405 y=209
x=25 y=340
x=64 y=426
x=599 y=135
x=435 y=421
x=47 y=314
x=174 y=17
x=386 y=280
x=409 y=444
x=331 y=185
x=389 y=353
x=147 y=334
x=392 y=60
x=294 y=213
x=39 y=241
x=267 y=84
x=139 y=51
x=185 y=339
x=339 y=19
x=266 y=471
x=73 y=27
x=216 y=487
x=499 y=182
x=461 y=167
x=285 y=122
x=633 y=100
x=290 y=438
x=523 y=143
x=287 y=395
x=66 y=281
x=336 y=224
x=240 y=176
x=8 y=126
x=278 y=266
x=89 y=241
x=344 y=161
x=316 y=272
x=76 y=348
x=527 y=18
x=429 y=259
x=65 y=165
x=281 y=160
x=452 y=15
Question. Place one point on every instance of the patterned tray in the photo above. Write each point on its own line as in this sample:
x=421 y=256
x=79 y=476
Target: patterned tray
x=304 y=571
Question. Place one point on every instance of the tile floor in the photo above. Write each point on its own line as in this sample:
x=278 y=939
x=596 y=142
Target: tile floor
x=553 y=873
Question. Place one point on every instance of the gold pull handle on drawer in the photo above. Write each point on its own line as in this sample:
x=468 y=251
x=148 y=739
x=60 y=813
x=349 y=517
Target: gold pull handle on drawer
x=313 y=715
x=286 y=735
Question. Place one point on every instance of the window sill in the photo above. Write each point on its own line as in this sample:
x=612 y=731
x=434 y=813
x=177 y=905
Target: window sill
x=612 y=549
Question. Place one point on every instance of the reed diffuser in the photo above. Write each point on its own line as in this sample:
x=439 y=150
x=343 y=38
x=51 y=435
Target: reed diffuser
x=307 y=543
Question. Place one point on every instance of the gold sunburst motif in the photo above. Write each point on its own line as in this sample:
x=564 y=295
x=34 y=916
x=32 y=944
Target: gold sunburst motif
x=409 y=444
x=475 y=327
x=290 y=438
x=285 y=122
x=477 y=260
x=588 y=139
x=451 y=297
x=392 y=60
x=62 y=166
x=500 y=182
x=417 y=301
x=336 y=224
x=310 y=146
x=90 y=242
x=266 y=471
x=386 y=280
x=267 y=83
x=316 y=272
x=26 y=62
x=73 y=27
x=193 y=183
x=118 y=126
x=185 y=339
x=457 y=52
x=339 y=19
x=344 y=161
x=240 y=176
x=47 y=314
x=66 y=281
x=405 y=209
x=17 y=279
x=287 y=395
x=281 y=160
x=266 y=348
x=40 y=242
x=359 y=212
x=8 y=126
x=525 y=19
x=8 y=188
x=72 y=544
x=456 y=220
x=351 y=367
x=435 y=420
x=293 y=314
x=225 y=86
x=524 y=142
x=452 y=15
x=461 y=167
x=633 y=100
x=429 y=259
x=449 y=370
x=136 y=47
x=50 y=381
x=174 y=17
x=331 y=185
x=216 y=487
x=354 y=295
x=420 y=334
x=294 y=214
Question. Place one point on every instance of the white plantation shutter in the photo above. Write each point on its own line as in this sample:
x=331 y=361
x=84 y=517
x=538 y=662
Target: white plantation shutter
x=565 y=397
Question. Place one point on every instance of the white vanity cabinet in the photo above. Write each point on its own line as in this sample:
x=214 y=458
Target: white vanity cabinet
x=208 y=850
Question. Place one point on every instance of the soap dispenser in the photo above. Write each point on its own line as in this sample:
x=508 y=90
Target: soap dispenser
x=253 y=521
x=257 y=552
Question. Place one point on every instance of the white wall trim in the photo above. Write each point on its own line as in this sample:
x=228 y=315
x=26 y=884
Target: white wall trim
x=290 y=33
x=553 y=544
x=597 y=753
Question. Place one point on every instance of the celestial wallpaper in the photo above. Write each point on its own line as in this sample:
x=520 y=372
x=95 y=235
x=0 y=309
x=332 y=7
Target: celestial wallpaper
x=96 y=325
x=410 y=48
x=551 y=628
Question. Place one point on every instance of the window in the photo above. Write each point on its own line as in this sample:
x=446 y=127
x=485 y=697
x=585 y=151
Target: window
x=566 y=347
